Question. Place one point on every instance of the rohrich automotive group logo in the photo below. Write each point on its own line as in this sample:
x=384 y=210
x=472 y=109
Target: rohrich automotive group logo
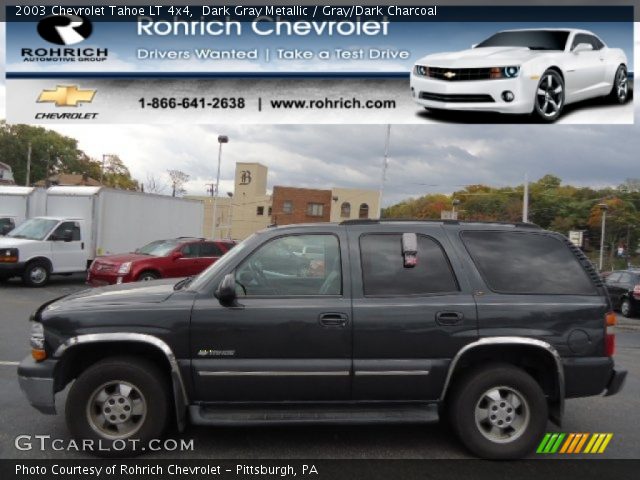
x=65 y=29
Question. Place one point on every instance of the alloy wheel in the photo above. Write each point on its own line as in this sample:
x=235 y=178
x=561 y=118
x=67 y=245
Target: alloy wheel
x=550 y=96
x=502 y=414
x=621 y=86
x=116 y=409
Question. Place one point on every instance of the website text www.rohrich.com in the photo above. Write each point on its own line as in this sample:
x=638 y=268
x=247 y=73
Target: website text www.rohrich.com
x=326 y=103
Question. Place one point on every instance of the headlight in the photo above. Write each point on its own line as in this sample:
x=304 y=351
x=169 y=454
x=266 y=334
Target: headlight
x=9 y=255
x=36 y=340
x=511 y=71
x=124 y=268
x=421 y=70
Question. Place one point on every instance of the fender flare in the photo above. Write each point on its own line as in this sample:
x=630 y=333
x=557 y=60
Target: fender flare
x=180 y=396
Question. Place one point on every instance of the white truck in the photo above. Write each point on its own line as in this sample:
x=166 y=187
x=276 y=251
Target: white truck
x=84 y=222
x=19 y=203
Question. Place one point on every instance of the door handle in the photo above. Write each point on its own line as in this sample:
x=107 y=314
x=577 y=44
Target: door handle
x=333 y=319
x=449 y=318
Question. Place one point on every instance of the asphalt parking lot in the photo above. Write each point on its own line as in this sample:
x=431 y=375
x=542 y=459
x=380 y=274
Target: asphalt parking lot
x=619 y=414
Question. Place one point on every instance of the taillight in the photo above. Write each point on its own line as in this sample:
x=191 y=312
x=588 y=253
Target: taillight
x=636 y=292
x=610 y=337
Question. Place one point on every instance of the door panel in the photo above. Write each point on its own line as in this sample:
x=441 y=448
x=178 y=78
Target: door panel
x=277 y=346
x=404 y=341
x=68 y=256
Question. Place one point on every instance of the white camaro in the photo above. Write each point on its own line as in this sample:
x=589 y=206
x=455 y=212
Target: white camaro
x=535 y=71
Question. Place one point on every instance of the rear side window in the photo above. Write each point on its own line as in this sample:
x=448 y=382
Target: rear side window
x=209 y=249
x=522 y=263
x=384 y=273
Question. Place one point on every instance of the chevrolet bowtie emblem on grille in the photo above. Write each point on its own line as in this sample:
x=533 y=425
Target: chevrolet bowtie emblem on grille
x=450 y=75
x=66 y=96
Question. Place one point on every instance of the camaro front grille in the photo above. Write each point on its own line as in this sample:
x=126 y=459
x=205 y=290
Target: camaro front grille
x=457 y=98
x=458 y=74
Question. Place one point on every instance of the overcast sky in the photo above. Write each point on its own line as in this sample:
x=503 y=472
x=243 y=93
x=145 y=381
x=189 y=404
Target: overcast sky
x=423 y=159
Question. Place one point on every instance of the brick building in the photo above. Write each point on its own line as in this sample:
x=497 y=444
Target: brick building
x=300 y=205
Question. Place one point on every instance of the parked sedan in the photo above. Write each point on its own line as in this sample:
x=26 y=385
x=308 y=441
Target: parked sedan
x=624 y=291
x=535 y=71
x=180 y=257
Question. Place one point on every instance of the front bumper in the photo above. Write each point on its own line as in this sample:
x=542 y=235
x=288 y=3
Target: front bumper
x=96 y=279
x=452 y=94
x=37 y=383
x=8 y=270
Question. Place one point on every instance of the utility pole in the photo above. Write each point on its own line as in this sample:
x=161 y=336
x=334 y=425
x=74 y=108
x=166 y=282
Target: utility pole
x=603 y=209
x=221 y=139
x=525 y=200
x=385 y=164
x=28 y=179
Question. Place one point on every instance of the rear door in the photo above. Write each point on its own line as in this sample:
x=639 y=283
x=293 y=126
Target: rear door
x=408 y=323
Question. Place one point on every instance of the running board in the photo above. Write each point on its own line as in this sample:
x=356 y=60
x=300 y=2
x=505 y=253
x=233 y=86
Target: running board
x=234 y=415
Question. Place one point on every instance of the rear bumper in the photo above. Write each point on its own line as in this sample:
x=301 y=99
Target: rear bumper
x=592 y=376
x=37 y=383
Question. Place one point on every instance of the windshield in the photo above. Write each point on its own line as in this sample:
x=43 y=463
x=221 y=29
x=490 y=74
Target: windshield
x=532 y=39
x=221 y=264
x=33 y=229
x=159 y=248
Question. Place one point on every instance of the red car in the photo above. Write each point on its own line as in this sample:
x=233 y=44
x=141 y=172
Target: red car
x=180 y=257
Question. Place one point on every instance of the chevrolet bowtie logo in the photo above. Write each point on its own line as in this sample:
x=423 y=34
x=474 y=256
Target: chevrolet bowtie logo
x=66 y=96
x=450 y=74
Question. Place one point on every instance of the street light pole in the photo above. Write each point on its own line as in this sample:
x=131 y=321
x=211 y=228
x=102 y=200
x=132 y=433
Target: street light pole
x=603 y=208
x=221 y=139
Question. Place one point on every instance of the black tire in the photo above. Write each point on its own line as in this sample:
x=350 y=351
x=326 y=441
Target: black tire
x=149 y=384
x=147 y=277
x=626 y=308
x=36 y=274
x=468 y=395
x=548 y=107
x=620 y=89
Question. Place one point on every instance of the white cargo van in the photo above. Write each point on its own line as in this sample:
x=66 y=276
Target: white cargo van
x=19 y=203
x=84 y=222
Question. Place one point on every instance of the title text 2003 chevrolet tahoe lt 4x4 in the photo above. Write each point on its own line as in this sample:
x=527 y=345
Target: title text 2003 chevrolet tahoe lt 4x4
x=491 y=326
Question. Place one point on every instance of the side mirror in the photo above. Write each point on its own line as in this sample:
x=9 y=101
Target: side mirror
x=226 y=292
x=176 y=255
x=582 y=47
x=67 y=236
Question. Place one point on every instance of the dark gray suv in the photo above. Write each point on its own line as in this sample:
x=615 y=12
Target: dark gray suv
x=487 y=326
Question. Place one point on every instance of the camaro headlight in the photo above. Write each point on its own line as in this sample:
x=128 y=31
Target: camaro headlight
x=511 y=71
x=9 y=255
x=124 y=268
x=421 y=70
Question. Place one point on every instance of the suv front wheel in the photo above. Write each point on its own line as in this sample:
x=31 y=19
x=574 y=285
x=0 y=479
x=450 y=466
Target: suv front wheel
x=499 y=412
x=121 y=403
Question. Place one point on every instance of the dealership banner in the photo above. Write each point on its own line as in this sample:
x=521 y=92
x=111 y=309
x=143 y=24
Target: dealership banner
x=318 y=64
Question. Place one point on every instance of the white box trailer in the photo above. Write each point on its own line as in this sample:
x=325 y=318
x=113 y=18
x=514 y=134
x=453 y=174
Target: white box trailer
x=18 y=204
x=82 y=223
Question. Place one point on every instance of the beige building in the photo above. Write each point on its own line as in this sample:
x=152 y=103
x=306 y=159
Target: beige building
x=354 y=203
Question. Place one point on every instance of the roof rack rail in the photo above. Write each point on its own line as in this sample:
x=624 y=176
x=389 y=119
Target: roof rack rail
x=369 y=221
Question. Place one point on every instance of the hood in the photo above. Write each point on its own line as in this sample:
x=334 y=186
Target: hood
x=481 y=57
x=124 y=294
x=122 y=258
x=10 y=242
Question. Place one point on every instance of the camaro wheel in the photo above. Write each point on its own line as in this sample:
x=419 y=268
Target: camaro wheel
x=549 y=96
x=625 y=308
x=36 y=274
x=148 y=276
x=620 y=90
x=116 y=400
x=498 y=411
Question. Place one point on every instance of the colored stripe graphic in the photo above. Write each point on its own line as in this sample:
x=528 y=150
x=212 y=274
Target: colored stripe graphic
x=574 y=443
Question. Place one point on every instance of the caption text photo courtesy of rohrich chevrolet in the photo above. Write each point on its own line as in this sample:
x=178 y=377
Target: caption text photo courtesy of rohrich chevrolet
x=327 y=241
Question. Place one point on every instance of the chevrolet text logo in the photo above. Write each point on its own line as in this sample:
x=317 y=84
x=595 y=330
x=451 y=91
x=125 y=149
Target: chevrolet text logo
x=450 y=74
x=66 y=96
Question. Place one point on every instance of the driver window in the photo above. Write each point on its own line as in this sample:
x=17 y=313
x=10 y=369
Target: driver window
x=292 y=265
x=67 y=228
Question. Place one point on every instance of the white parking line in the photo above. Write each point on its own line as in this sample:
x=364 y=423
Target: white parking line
x=9 y=364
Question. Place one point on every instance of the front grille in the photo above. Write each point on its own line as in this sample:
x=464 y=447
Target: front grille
x=457 y=98
x=458 y=74
x=99 y=267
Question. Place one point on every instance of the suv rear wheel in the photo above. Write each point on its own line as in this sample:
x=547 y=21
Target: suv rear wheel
x=117 y=400
x=498 y=411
